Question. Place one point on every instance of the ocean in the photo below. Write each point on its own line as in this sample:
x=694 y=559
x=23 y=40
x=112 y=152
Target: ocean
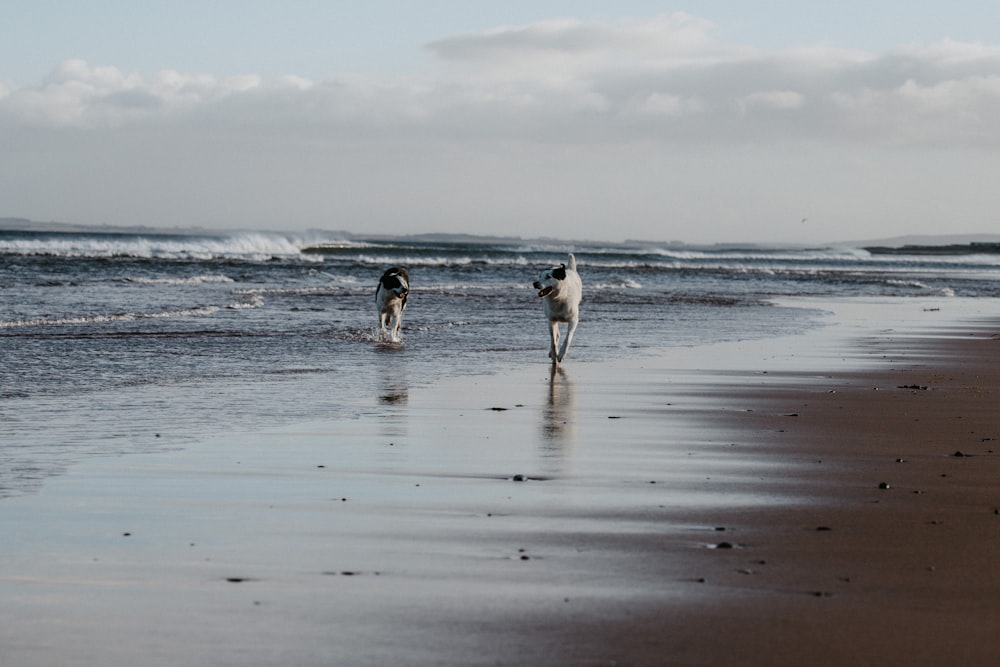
x=112 y=343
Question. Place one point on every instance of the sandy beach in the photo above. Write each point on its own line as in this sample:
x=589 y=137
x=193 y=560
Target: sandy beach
x=823 y=499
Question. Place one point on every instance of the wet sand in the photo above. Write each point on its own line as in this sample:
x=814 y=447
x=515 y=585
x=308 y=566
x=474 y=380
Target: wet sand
x=796 y=501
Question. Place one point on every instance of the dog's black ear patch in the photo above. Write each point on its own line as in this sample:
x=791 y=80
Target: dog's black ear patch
x=560 y=273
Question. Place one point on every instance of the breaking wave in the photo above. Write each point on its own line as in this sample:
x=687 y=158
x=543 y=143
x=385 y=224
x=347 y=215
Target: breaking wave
x=257 y=246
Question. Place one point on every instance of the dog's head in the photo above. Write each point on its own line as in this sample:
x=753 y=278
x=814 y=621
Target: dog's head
x=396 y=281
x=548 y=281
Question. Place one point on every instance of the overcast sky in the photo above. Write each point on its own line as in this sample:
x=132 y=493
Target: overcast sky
x=699 y=121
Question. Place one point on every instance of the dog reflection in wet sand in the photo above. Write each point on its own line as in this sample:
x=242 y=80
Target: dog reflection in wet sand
x=562 y=290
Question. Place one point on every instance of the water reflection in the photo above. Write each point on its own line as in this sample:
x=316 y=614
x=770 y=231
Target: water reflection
x=393 y=388
x=558 y=422
x=393 y=397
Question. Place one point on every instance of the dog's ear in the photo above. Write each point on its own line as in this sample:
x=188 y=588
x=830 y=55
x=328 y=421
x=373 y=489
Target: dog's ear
x=560 y=273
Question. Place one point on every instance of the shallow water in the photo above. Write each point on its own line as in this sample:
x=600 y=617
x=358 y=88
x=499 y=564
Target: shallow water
x=114 y=343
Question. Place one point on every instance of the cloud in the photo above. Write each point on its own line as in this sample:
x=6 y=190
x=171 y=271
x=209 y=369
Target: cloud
x=772 y=99
x=664 y=80
x=668 y=35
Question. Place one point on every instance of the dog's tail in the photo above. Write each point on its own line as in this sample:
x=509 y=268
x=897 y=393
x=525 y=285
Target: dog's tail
x=572 y=262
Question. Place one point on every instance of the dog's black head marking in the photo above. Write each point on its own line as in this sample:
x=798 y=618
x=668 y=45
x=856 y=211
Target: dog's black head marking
x=393 y=282
x=397 y=280
x=559 y=273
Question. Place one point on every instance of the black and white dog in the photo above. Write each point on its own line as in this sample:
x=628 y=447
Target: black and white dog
x=390 y=297
x=562 y=290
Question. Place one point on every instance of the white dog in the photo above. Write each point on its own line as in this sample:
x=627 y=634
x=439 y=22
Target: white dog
x=562 y=290
x=390 y=296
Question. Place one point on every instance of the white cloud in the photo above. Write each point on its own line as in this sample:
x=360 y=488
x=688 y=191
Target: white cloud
x=667 y=35
x=772 y=99
x=664 y=104
x=574 y=81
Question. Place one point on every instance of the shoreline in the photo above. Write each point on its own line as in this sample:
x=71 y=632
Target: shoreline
x=571 y=519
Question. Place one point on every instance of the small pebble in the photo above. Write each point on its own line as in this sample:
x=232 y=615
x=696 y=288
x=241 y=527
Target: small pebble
x=884 y=485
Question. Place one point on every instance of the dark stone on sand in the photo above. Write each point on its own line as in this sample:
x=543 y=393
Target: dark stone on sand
x=724 y=545
x=498 y=409
x=520 y=478
x=959 y=455
x=823 y=529
x=884 y=485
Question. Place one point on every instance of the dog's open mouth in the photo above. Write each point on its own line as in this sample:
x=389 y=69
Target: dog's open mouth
x=545 y=291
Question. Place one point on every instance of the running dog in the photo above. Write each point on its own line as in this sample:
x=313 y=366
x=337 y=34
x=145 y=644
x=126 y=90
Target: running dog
x=390 y=297
x=562 y=290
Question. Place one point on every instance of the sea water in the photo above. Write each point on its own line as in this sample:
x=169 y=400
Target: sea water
x=112 y=343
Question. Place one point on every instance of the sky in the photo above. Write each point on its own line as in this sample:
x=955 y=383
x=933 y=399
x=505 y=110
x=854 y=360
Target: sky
x=700 y=121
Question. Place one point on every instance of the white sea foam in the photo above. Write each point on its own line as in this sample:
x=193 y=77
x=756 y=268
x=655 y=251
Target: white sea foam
x=255 y=301
x=199 y=311
x=250 y=291
x=192 y=280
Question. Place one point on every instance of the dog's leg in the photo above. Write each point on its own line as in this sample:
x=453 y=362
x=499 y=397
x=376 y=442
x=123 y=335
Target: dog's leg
x=554 y=341
x=397 y=320
x=570 y=328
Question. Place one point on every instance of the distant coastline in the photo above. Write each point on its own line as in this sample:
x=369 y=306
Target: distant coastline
x=946 y=249
x=27 y=225
x=945 y=244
